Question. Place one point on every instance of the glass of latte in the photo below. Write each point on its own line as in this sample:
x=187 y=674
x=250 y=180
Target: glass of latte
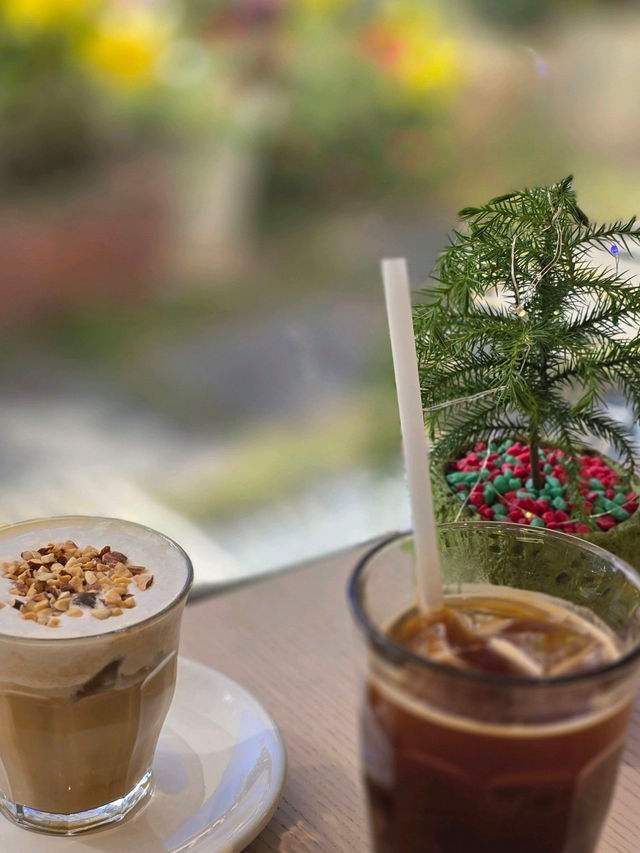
x=496 y=723
x=90 y=612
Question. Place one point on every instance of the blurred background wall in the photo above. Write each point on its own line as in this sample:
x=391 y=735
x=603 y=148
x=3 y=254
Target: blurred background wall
x=194 y=197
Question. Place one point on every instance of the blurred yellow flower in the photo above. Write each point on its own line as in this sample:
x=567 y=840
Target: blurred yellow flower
x=409 y=40
x=126 y=45
x=428 y=64
x=40 y=14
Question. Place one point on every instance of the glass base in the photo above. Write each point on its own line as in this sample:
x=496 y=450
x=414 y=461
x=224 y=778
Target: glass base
x=71 y=824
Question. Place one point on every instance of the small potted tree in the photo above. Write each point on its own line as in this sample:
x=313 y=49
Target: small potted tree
x=517 y=345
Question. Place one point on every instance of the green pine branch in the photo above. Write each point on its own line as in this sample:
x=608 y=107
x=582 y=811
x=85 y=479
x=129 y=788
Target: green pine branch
x=603 y=235
x=523 y=334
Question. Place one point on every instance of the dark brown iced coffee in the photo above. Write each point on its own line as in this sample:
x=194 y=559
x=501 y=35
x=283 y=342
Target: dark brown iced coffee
x=438 y=781
x=495 y=724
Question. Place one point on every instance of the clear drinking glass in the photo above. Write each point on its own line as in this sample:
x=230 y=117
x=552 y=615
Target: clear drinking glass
x=80 y=716
x=458 y=760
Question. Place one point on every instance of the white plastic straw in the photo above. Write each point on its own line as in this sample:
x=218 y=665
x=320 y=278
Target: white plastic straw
x=416 y=449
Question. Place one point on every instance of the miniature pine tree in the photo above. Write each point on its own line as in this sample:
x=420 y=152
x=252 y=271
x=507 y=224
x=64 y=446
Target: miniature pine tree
x=523 y=333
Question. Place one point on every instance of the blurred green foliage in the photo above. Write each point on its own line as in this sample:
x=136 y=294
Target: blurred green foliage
x=519 y=14
x=341 y=99
x=303 y=82
x=514 y=13
x=300 y=139
x=45 y=109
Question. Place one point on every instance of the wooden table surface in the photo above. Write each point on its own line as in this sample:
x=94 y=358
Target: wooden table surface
x=289 y=640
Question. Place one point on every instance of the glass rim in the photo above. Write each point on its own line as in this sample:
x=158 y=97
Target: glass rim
x=395 y=653
x=184 y=591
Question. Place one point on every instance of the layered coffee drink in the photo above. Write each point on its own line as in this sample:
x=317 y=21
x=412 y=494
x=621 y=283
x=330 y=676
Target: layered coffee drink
x=90 y=613
x=495 y=722
x=440 y=781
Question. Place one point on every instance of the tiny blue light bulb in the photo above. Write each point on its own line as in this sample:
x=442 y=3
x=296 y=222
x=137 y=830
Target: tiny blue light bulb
x=613 y=248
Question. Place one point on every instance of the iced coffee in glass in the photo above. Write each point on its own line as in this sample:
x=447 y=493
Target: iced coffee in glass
x=496 y=724
x=90 y=612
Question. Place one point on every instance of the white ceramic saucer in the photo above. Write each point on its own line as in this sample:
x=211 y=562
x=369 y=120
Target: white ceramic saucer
x=219 y=771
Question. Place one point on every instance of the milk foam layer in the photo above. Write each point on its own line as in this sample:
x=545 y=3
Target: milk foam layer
x=167 y=563
x=59 y=662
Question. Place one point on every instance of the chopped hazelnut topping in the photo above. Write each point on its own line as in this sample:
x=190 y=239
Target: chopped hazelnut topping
x=113 y=597
x=113 y=557
x=88 y=599
x=101 y=612
x=60 y=578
